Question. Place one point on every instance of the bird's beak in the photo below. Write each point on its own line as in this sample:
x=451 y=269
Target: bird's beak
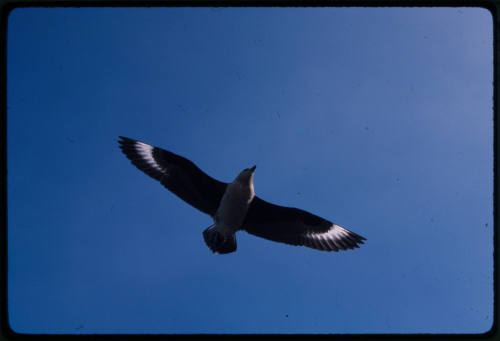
x=253 y=168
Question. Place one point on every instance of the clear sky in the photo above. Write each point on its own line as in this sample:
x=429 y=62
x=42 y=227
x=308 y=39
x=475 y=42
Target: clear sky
x=377 y=119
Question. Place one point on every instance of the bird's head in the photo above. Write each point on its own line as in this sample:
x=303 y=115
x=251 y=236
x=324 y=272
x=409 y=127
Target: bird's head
x=246 y=176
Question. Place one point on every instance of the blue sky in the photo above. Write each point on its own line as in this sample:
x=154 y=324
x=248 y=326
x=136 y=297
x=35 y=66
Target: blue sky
x=378 y=119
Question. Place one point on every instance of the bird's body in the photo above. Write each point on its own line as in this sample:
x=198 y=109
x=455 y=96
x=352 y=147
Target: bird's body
x=234 y=206
x=231 y=213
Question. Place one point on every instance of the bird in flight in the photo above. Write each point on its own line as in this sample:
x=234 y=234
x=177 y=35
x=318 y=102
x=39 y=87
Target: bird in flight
x=234 y=206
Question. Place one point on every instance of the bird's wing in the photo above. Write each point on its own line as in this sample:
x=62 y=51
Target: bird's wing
x=177 y=174
x=297 y=227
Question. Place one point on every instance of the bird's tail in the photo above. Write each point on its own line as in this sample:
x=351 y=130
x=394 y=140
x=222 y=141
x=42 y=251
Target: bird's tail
x=219 y=243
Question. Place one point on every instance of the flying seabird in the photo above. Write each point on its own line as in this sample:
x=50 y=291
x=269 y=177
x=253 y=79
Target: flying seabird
x=234 y=206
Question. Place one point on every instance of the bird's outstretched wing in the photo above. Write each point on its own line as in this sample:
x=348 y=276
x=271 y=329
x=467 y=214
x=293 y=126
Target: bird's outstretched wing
x=179 y=175
x=297 y=227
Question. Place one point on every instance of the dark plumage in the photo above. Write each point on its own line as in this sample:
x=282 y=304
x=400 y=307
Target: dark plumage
x=260 y=218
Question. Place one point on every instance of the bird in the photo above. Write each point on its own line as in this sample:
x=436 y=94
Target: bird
x=234 y=206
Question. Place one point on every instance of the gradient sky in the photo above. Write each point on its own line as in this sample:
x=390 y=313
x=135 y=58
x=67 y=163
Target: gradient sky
x=378 y=119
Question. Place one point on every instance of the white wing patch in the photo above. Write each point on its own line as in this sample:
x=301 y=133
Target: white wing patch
x=146 y=152
x=336 y=232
